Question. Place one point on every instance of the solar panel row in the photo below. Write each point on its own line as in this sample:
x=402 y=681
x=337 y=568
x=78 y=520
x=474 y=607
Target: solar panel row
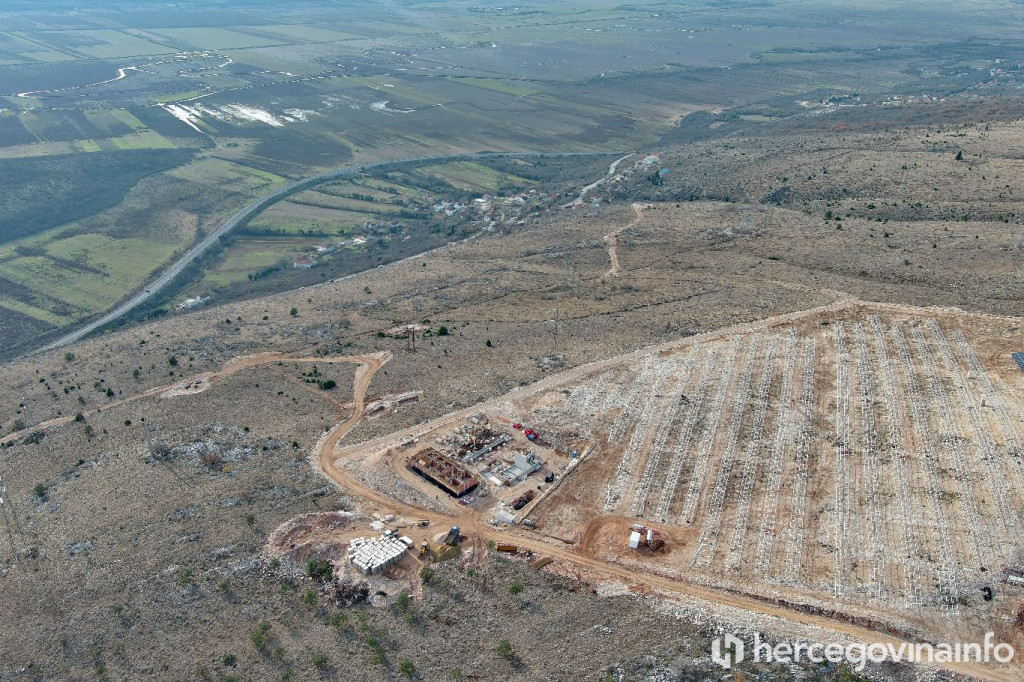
x=1019 y=359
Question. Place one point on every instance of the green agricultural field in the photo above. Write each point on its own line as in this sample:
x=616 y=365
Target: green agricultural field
x=253 y=255
x=83 y=275
x=473 y=176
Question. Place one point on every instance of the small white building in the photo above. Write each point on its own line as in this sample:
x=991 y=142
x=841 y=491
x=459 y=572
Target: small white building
x=634 y=539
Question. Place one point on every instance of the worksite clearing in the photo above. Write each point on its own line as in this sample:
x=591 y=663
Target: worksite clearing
x=858 y=462
x=856 y=468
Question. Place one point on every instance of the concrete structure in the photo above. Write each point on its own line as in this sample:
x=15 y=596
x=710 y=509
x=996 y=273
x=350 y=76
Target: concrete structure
x=523 y=465
x=443 y=471
x=373 y=555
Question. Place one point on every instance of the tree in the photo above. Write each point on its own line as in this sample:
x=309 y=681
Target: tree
x=309 y=598
x=489 y=344
x=442 y=331
x=293 y=312
x=39 y=491
x=959 y=156
x=327 y=384
x=172 y=361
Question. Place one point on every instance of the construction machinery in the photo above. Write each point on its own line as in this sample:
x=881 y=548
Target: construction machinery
x=424 y=548
x=453 y=537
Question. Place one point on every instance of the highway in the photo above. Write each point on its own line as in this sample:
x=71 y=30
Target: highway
x=155 y=286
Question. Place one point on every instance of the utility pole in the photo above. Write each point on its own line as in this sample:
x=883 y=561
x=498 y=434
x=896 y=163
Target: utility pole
x=411 y=337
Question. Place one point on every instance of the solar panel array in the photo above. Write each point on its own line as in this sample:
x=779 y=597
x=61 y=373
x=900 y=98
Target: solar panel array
x=1018 y=357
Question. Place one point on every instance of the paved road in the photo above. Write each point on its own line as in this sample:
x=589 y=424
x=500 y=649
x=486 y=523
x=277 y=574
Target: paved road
x=152 y=288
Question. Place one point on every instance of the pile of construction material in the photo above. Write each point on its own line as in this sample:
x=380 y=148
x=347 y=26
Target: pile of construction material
x=373 y=555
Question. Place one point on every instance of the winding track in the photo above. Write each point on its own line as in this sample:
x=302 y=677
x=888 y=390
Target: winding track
x=612 y=240
x=177 y=267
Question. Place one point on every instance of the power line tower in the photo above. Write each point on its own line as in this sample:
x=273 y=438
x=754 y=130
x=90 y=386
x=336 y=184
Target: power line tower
x=410 y=338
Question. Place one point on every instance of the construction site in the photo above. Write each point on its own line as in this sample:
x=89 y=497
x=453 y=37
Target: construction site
x=858 y=459
x=491 y=465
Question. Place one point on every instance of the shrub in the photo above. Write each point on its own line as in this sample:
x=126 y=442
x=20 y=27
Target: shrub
x=515 y=588
x=319 y=569
x=406 y=667
x=260 y=637
x=293 y=312
x=327 y=384
x=310 y=598
x=320 y=660
x=505 y=650
x=39 y=491
x=229 y=660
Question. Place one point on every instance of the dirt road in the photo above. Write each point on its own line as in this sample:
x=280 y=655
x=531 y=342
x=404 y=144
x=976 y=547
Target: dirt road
x=612 y=240
x=578 y=201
